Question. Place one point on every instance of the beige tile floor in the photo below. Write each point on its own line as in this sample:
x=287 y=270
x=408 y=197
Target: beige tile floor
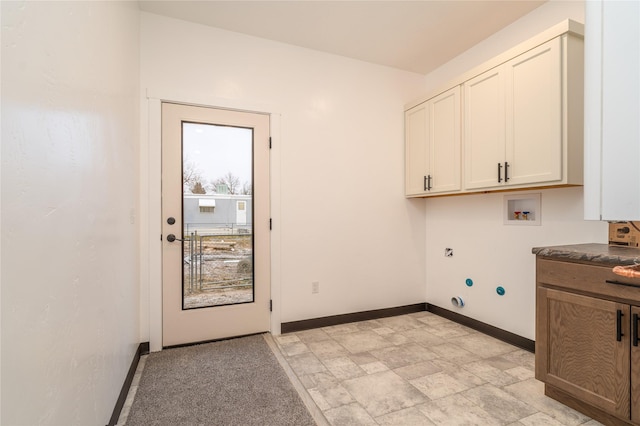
x=419 y=369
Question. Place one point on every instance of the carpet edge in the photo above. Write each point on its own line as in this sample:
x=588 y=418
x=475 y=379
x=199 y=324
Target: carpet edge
x=142 y=349
x=307 y=400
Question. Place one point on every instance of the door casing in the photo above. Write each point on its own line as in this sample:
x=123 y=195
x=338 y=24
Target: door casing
x=150 y=206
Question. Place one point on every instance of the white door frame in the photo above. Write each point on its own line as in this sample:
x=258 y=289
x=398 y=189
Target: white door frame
x=150 y=260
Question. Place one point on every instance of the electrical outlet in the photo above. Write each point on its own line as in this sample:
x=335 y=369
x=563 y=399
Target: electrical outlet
x=448 y=252
x=315 y=287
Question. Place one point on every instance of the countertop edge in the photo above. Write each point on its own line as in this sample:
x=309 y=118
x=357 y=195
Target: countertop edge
x=601 y=254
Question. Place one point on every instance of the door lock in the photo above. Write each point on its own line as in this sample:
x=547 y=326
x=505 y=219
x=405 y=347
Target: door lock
x=171 y=238
x=171 y=221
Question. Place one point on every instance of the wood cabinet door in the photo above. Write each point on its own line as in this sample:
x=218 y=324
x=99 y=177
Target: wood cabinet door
x=635 y=367
x=444 y=141
x=484 y=129
x=416 y=152
x=534 y=115
x=577 y=350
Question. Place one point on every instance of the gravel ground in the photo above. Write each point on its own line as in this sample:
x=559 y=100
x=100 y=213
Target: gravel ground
x=218 y=297
x=226 y=275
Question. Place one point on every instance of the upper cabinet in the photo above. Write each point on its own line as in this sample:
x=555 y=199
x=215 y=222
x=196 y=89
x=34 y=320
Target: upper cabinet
x=612 y=111
x=432 y=145
x=416 y=127
x=513 y=121
x=484 y=129
x=522 y=118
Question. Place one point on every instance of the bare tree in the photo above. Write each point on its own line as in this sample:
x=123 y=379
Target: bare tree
x=190 y=174
x=229 y=180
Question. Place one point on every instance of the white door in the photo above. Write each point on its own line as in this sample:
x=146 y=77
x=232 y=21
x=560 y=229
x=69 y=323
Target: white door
x=241 y=212
x=612 y=108
x=215 y=276
x=484 y=126
x=534 y=115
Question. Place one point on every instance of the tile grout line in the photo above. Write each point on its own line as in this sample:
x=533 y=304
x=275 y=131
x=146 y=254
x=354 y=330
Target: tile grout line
x=537 y=412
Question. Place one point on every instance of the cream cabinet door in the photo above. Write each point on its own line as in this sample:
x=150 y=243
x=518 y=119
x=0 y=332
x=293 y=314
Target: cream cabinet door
x=534 y=116
x=444 y=142
x=484 y=129
x=416 y=152
x=432 y=145
x=513 y=121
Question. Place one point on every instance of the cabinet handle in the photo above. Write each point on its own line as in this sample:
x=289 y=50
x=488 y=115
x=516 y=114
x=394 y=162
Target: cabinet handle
x=428 y=182
x=425 y=184
x=634 y=339
x=499 y=172
x=619 y=334
x=620 y=283
x=506 y=171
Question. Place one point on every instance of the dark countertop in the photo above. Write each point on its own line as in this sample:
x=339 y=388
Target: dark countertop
x=600 y=254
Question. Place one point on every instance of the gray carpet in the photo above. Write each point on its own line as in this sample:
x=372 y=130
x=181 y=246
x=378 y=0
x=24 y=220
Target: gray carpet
x=231 y=382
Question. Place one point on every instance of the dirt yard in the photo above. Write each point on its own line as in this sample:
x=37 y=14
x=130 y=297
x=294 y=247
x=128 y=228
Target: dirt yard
x=222 y=274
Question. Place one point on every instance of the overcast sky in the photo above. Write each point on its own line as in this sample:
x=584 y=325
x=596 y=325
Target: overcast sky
x=216 y=150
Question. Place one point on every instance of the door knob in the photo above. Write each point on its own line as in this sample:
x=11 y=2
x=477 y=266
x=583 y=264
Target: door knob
x=171 y=238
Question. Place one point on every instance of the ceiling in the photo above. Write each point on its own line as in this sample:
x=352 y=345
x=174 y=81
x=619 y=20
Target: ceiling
x=416 y=36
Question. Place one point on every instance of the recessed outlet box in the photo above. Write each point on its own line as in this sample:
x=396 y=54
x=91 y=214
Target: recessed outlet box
x=315 y=287
x=522 y=209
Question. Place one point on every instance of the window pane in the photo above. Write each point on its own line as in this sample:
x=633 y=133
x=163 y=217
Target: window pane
x=217 y=216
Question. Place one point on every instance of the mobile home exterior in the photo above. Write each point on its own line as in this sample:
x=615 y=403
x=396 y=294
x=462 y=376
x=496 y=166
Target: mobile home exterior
x=217 y=213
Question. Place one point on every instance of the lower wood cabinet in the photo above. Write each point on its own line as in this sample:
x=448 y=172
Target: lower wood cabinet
x=587 y=351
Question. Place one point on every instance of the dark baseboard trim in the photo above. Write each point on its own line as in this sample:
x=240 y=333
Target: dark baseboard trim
x=143 y=349
x=290 y=327
x=498 y=333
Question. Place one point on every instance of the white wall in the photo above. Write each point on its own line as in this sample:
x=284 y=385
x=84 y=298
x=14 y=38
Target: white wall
x=69 y=195
x=340 y=215
x=485 y=249
x=493 y=254
x=542 y=18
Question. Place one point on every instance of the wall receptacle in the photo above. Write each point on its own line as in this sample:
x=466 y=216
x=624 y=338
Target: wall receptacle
x=315 y=287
